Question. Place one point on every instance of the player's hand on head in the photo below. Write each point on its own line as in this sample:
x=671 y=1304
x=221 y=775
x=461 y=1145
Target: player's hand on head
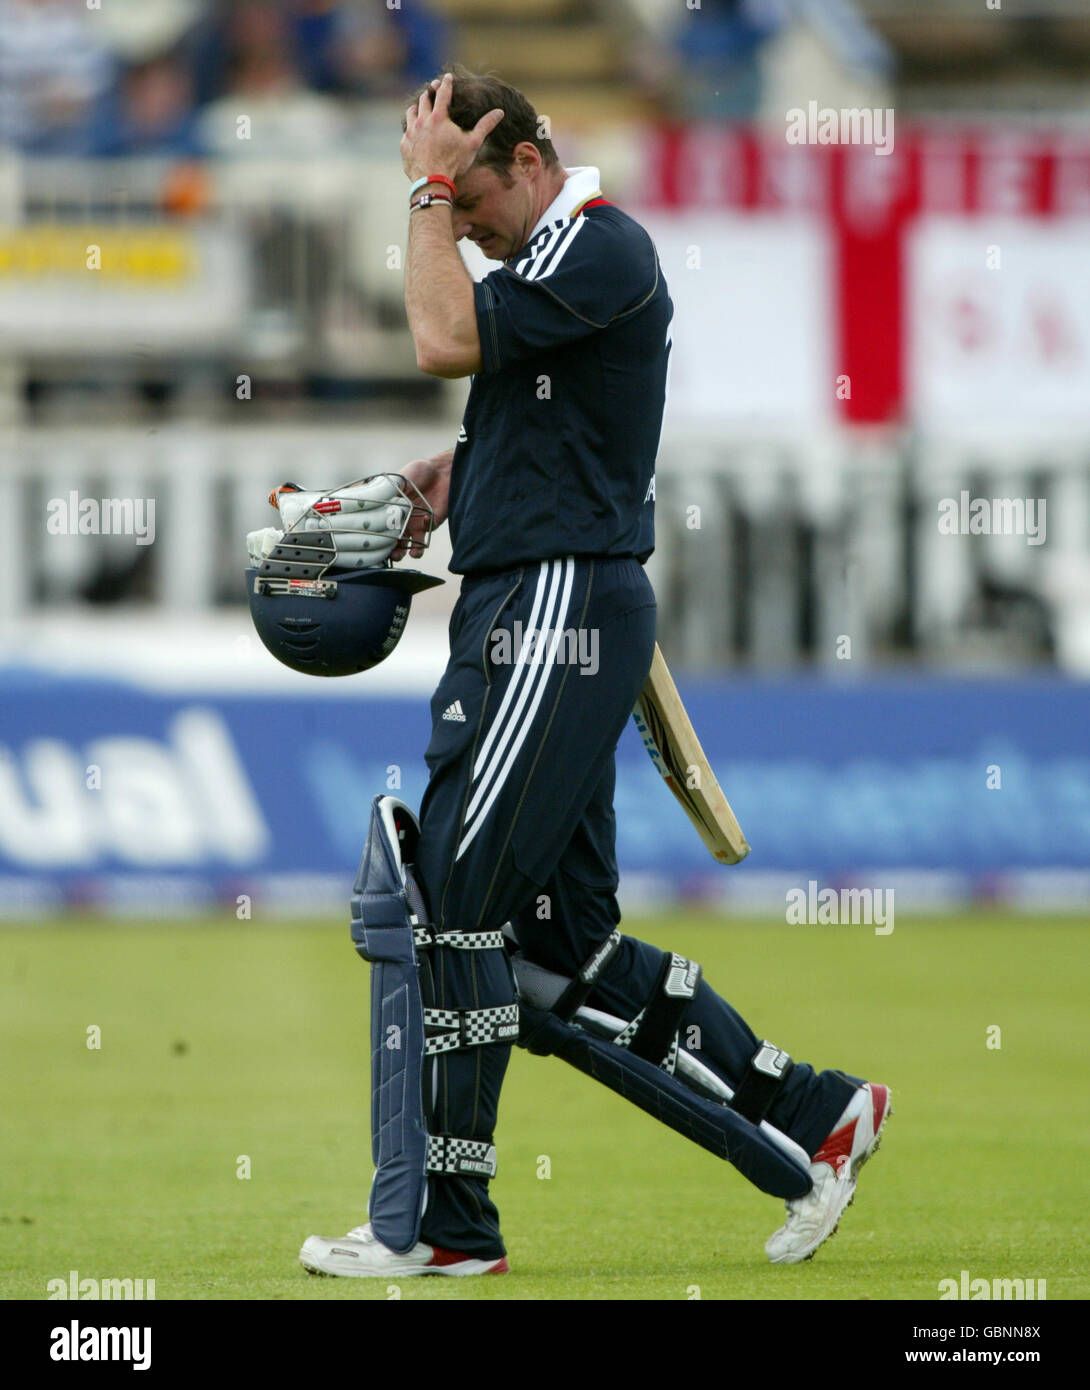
x=433 y=143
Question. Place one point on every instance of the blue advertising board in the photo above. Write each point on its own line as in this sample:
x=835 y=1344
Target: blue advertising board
x=109 y=791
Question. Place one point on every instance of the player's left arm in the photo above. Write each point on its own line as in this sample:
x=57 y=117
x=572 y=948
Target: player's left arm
x=438 y=289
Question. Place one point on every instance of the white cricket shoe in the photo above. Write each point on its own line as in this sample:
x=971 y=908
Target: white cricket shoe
x=834 y=1169
x=358 y=1255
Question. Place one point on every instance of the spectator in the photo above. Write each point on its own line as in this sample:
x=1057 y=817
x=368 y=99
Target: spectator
x=366 y=50
x=150 y=112
x=709 y=67
x=266 y=109
x=54 y=69
x=355 y=48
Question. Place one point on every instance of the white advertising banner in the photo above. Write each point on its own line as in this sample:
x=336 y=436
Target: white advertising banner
x=998 y=322
x=752 y=330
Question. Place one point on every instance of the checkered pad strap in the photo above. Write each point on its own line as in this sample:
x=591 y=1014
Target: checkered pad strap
x=624 y=1038
x=424 y=937
x=450 y=1029
x=462 y=1157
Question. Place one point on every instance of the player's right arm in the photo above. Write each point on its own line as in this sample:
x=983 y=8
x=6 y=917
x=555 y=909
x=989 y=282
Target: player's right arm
x=432 y=477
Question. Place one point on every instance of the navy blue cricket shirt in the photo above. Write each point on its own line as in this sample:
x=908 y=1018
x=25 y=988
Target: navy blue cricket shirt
x=556 y=455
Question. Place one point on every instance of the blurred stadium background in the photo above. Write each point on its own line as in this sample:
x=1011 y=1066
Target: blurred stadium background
x=858 y=336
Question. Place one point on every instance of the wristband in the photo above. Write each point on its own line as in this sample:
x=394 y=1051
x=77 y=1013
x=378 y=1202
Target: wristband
x=426 y=199
x=433 y=178
x=442 y=178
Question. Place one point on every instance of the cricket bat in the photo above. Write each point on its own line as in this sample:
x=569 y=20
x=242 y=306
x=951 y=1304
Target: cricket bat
x=674 y=748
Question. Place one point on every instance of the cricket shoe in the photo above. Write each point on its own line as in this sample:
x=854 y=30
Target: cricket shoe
x=834 y=1169
x=358 y=1255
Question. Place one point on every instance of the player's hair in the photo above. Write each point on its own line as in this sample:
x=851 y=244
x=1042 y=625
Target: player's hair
x=474 y=95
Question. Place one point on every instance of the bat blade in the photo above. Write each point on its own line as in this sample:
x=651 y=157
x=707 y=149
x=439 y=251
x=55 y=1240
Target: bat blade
x=672 y=744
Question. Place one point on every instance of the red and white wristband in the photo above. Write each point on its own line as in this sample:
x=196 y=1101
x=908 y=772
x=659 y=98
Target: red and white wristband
x=433 y=178
x=427 y=199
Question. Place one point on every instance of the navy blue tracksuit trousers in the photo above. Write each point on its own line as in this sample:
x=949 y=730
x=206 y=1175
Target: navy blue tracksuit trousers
x=517 y=824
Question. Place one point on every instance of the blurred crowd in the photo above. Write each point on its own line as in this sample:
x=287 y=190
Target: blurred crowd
x=173 y=77
x=706 y=70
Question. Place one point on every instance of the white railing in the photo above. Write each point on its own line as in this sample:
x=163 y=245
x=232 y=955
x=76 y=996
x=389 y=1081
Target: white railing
x=771 y=549
x=805 y=541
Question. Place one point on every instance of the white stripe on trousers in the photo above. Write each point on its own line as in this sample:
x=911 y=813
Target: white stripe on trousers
x=539 y=679
x=520 y=667
x=485 y=770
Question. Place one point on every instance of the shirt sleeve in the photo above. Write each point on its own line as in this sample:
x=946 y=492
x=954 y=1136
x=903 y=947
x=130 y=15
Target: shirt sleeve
x=576 y=278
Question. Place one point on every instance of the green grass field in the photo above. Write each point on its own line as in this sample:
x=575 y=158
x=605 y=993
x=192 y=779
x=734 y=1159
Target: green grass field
x=221 y=1039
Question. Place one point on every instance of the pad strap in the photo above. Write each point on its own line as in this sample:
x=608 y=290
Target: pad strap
x=472 y=1158
x=768 y=1069
x=652 y=1034
x=451 y=1029
x=575 y=996
x=423 y=937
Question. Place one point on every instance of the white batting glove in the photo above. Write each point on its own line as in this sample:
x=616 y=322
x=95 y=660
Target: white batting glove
x=260 y=544
x=366 y=519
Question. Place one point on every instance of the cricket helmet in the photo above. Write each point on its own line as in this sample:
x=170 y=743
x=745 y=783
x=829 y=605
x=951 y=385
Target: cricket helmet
x=321 y=606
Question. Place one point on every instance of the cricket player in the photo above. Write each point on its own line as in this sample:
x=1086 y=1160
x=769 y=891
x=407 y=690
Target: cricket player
x=549 y=495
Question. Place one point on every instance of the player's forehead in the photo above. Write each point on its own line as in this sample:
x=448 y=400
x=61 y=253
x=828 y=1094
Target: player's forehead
x=478 y=184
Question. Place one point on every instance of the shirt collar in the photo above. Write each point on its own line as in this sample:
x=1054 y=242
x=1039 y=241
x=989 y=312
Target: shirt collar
x=580 y=186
